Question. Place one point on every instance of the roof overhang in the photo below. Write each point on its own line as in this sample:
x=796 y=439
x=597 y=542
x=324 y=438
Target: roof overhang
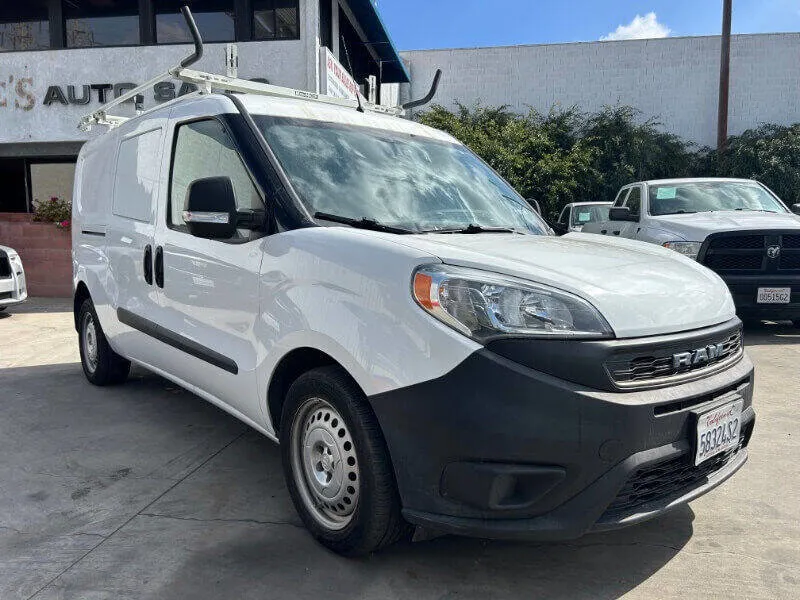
x=368 y=17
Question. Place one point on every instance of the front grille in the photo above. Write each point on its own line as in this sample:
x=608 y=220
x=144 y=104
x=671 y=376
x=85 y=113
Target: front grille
x=789 y=261
x=668 y=480
x=739 y=242
x=654 y=367
x=734 y=262
x=751 y=253
x=5 y=266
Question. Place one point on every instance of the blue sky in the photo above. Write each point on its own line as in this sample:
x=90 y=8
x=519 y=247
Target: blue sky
x=418 y=24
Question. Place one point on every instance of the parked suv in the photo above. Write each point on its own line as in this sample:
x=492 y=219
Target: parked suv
x=366 y=291
x=736 y=227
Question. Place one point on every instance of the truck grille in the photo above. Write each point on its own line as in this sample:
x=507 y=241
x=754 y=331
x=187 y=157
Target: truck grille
x=5 y=266
x=733 y=253
x=654 y=367
x=668 y=480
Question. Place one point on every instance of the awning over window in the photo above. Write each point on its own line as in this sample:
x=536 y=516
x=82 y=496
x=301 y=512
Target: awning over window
x=366 y=13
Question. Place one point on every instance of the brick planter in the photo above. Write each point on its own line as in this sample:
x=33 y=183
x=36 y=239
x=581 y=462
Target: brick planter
x=46 y=253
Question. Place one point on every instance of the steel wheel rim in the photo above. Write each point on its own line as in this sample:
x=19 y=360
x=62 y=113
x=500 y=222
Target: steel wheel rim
x=324 y=464
x=90 y=343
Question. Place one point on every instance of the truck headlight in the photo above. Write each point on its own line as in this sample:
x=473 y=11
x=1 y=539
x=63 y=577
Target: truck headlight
x=690 y=249
x=484 y=305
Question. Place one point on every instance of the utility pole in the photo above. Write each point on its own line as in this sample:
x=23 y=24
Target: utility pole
x=724 y=75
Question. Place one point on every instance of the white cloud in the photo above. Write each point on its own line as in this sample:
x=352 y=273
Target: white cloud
x=642 y=27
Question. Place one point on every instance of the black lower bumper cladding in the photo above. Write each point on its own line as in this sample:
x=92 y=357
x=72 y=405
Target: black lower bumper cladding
x=496 y=449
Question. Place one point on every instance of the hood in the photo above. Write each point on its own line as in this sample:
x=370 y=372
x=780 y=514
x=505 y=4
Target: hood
x=641 y=289
x=694 y=227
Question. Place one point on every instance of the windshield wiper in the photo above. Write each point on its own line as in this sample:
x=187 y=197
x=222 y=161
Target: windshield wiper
x=362 y=223
x=473 y=228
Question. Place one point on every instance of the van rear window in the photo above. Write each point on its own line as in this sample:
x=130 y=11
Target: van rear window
x=136 y=184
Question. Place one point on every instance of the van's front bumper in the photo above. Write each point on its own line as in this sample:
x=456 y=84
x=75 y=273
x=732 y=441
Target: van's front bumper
x=496 y=449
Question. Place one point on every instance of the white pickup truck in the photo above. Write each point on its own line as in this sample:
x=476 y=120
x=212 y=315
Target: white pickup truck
x=736 y=227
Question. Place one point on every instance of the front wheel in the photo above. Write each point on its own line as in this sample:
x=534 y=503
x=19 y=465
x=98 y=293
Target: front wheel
x=337 y=466
x=101 y=365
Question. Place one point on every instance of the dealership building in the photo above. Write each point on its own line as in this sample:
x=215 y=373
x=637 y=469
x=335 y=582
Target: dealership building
x=60 y=59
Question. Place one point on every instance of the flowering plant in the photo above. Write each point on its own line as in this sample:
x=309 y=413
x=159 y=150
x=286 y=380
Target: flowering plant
x=55 y=210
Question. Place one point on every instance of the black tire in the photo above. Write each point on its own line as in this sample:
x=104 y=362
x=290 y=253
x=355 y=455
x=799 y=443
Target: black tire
x=108 y=367
x=2 y=308
x=376 y=520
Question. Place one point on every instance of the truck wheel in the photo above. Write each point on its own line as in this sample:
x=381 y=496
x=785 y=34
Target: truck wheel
x=337 y=466
x=101 y=365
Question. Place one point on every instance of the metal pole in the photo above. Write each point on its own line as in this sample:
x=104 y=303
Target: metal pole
x=724 y=75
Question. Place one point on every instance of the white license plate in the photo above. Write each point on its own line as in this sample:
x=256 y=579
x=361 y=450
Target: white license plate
x=774 y=295
x=718 y=430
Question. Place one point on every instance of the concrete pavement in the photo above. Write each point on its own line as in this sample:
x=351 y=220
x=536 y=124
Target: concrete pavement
x=146 y=491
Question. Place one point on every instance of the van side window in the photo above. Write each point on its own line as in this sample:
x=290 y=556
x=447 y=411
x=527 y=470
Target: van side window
x=137 y=175
x=204 y=149
x=634 y=201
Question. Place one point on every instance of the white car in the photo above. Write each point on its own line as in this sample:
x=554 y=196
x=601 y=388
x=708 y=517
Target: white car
x=368 y=293
x=13 y=289
x=737 y=227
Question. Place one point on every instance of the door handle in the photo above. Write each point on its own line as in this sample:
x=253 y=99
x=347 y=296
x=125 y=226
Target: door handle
x=604 y=231
x=616 y=232
x=148 y=264
x=159 y=266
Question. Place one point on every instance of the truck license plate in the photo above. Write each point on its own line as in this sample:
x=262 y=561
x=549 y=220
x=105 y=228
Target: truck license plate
x=718 y=430
x=774 y=295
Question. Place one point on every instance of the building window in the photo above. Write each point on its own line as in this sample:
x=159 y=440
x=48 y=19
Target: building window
x=92 y=23
x=215 y=19
x=276 y=19
x=24 y=25
x=14 y=177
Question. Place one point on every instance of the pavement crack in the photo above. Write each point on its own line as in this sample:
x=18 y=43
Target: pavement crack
x=221 y=520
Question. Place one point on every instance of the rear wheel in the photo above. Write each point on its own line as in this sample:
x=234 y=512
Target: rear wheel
x=337 y=466
x=101 y=365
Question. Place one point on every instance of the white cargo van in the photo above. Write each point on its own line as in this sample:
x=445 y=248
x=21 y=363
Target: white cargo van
x=364 y=290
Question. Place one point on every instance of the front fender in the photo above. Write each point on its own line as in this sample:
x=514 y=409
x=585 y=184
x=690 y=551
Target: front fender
x=347 y=293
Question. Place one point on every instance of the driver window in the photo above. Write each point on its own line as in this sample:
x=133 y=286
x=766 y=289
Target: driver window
x=204 y=149
x=634 y=201
x=620 y=200
x=564 y=215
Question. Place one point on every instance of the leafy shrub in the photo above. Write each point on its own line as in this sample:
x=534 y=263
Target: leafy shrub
x=55 y=210
x=568 y=156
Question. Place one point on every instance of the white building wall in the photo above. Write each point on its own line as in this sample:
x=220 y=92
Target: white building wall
x=675 y=79
x=26 y=76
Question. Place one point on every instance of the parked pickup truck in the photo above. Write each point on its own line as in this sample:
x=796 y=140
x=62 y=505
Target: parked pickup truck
x=736 y=227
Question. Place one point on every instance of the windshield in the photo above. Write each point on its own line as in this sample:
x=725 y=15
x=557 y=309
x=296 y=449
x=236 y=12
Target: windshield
x=581 y=215
x=706 y=196
x=395 y=179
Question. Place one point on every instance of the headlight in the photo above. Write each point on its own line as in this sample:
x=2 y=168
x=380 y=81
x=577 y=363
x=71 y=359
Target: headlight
x=485 y=305
x=690 y=249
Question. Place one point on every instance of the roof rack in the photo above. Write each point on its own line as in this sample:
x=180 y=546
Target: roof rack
x=207 y=82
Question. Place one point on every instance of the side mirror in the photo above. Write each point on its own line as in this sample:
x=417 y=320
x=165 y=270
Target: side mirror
x=621 y=213
x=535 y=205
x=211 y=210
x=559 y=228
x=796 y=209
